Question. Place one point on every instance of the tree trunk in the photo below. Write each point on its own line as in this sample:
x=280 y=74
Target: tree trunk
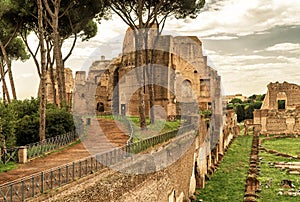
x=150 y=85
x=6 y=96
x=52 y=78
x=43 y=100
x=51 y=72
x=57 y=50
x=139 y=76
x=58 y=62
x=10 y=75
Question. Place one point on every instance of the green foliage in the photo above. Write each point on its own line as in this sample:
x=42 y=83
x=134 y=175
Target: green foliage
x=58 y=122
x=75 y=17
x=244 y=110
x=156 y=9
x=206 y=113
x=236 y=101
x=8 y=123
x=16 y=48
x=228 y=182
x=240 y=111
x=257 y=104
x=20 y=121
x=256 y=97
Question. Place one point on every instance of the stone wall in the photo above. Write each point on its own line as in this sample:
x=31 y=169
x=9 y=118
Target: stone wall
x=69 y=86
x=274 y=120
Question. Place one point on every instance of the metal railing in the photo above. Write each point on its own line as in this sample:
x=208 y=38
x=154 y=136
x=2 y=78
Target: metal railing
x=7 y=155
x=39 y=148
x=19 y=190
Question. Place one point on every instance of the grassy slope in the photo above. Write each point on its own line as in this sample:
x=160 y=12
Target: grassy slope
x=228 y=183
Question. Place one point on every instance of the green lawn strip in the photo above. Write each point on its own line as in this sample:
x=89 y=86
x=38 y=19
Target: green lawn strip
x=9 y=166
x=228 y=182
x=271 y=191
x=281 y=145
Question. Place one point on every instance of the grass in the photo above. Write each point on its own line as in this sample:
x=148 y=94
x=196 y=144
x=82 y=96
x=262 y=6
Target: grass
x=281 y=145
x=159 y=127
x=270 y=194
x=228 y=182
x=9 y=166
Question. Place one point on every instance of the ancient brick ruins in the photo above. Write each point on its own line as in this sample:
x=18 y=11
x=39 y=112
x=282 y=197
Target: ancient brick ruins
x=280 y=112
x=183 y=82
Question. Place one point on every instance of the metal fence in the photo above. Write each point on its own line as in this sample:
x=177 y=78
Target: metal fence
x=7 y=155
x=20 y=190
x=50 y=144
x=38 y=148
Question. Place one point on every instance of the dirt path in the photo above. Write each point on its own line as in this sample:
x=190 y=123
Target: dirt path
x=102 y=135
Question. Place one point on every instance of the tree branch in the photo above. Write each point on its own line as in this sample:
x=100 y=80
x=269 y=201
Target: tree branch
x=24 y=38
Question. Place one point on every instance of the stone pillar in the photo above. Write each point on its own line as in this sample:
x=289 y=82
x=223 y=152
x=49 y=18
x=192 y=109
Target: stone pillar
x=22 y=154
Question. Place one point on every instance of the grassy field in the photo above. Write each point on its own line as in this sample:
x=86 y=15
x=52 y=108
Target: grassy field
x=228 y=182
x=284 y=145
x=267 y=173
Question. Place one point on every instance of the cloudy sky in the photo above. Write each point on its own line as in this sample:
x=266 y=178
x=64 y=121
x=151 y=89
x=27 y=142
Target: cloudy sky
x=250 y=43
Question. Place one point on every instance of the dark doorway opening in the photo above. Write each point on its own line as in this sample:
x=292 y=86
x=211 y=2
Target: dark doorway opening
x=100 y=107
x=281 y=104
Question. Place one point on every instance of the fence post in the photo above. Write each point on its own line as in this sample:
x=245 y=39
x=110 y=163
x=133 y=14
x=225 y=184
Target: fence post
x=42 y=182
x=67 y=173
x=73 y=171
x=79 y=169
x=22 y=154
x=96 y=162
x=86 y=166
x=59 y=173
x=32 y=184
x=11 y=192
x=51 y=179
x=23 y=197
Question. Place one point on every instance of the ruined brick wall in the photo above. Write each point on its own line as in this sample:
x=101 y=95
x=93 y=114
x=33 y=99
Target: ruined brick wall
x=282 y=91
x=274 y=120
x=180 y=75
x=69 y=86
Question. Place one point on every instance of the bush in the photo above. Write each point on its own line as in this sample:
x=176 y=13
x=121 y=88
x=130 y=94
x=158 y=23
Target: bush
x=20 y=121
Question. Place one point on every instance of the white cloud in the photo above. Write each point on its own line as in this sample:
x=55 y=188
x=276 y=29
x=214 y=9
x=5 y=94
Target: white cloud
x=284 y=47
x=219 y=37
x=242 y=17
